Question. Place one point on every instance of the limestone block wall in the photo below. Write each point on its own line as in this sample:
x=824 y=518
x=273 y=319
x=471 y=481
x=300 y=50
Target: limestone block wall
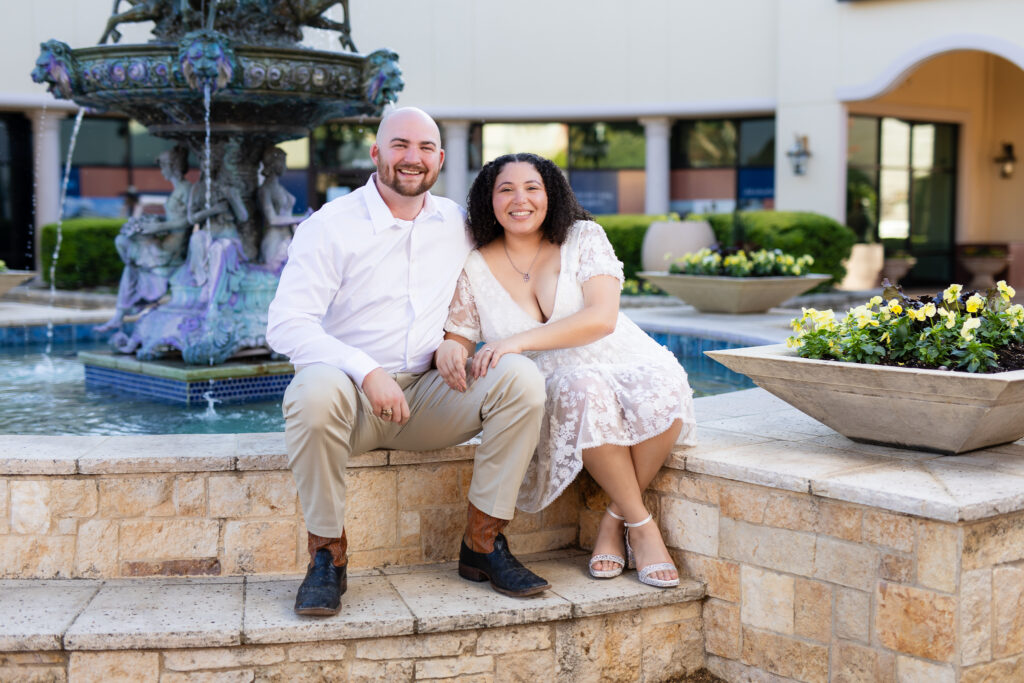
x=818 y=590
x=645 y=644
x=232 y=512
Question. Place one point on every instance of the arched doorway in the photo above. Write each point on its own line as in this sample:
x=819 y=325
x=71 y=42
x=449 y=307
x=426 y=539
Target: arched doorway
x=922 y=144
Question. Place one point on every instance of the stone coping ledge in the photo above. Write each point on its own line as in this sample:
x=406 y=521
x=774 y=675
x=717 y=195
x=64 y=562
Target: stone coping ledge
x=131 y=614
x=148 y=454
x=748 y=436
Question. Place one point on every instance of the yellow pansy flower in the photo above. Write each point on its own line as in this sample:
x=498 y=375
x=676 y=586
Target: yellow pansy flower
x=975 y=304
x=929 y=310
x=952 y=293
x=894 y=306
x=875 y=301
x=1006 y=290
x=949 y=316
x=967 y=331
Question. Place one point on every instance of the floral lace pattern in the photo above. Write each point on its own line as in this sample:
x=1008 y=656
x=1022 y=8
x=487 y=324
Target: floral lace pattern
x=622 y=389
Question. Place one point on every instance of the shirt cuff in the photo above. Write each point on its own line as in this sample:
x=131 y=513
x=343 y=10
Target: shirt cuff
x=358 y=366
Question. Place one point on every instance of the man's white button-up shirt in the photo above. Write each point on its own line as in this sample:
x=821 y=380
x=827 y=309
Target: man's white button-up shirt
x=363 y=290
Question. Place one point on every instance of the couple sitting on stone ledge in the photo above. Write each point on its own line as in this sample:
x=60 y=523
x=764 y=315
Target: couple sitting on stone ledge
x=385 y=297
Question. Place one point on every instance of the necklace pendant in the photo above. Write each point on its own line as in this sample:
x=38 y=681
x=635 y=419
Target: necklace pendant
x=526 y=277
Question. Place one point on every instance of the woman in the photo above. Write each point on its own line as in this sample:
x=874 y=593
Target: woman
x=545 y=281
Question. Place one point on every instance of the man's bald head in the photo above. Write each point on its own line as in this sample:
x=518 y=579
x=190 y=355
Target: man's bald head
x=407 y=152
x=405 y=116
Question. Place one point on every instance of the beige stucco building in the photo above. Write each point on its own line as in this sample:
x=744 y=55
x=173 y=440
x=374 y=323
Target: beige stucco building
x=904 y=105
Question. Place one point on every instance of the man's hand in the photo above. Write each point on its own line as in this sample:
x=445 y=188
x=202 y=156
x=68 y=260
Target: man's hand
x=450 y=361
x=386 y=397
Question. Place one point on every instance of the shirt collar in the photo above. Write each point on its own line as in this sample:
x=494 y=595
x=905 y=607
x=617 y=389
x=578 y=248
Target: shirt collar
x=380 y=214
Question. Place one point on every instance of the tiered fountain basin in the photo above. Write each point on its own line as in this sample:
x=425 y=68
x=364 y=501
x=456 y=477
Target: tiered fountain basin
x=280 y=91
x=822 y=559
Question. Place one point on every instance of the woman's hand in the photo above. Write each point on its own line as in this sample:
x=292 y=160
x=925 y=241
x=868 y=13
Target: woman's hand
x=489 y=355
x=450 y=361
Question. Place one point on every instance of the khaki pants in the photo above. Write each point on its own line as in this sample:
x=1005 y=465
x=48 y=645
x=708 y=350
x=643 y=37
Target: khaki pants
x=327 y=419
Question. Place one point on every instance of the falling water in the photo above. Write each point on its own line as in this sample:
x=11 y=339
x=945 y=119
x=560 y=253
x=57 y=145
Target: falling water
x=206 y=151
x=211 y=412
x=60 y=222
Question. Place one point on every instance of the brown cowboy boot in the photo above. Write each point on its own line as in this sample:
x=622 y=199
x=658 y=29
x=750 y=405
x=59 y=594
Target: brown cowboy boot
x=484 y=556
x=326 y=577
x=338 y=547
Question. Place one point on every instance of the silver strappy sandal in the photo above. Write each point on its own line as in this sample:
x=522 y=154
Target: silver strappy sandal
x=644 y=573
x=605 y=557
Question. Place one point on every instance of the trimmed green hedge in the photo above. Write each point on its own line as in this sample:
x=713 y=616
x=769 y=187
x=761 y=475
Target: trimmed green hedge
x=794 y=232
x=87 y=257
x=626 y=233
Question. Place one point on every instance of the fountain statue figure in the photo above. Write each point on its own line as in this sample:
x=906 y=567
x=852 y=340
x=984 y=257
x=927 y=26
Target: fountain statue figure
x=227 y=81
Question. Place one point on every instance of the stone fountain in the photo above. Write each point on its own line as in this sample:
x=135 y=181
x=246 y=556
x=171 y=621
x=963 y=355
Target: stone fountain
x=226 y=84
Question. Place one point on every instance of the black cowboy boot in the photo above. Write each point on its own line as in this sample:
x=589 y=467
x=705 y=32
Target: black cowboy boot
x=485 y=556
x=326 y=581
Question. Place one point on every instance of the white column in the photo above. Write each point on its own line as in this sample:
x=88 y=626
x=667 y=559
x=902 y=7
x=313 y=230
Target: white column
x=46 y=144
x=657 y=132
x=456 y=160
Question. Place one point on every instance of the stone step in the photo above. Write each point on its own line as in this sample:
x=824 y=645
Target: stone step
x=220 y=505
x=416 y=622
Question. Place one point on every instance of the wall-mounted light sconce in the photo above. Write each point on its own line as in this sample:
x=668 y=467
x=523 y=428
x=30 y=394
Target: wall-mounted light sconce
x=1006 y=161
x=798 y=155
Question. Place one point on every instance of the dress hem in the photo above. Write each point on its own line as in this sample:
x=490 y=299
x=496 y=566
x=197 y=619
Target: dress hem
x=623 y=442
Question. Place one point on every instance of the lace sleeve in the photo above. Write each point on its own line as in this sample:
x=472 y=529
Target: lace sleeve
x=596 y=254
x=463 y=318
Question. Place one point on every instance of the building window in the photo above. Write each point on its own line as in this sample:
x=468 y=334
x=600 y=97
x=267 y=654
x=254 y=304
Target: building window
x=113 y=158
x=901 y=189
x=719 y=164
x=16 y=242
x=341 y=162
x=606 y=166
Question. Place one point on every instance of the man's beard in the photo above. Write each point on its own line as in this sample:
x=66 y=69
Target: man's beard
x=391 y=178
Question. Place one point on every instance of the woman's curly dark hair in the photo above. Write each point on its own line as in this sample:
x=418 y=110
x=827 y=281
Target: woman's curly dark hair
x=563 y=208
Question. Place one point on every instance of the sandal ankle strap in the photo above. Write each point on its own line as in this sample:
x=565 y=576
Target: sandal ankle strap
x=635 y=525
x=618 y=517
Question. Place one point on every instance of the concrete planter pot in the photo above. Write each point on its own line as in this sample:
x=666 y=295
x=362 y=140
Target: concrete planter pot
x=931 y=410
x=896 y=268
x=715 y=294
x=665 y=241
x=983 y=270
x=9 y=279
x=863 y=268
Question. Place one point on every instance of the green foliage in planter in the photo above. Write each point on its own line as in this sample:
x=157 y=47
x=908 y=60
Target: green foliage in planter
x=970 y=331
x=626 y=233
x=794 y=232
x=87 y=257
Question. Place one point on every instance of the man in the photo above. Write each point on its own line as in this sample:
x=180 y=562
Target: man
x=360 y=311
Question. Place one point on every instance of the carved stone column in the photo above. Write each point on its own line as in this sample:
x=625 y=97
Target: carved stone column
x=46 y=144
x=657 y=132
x=456 y=160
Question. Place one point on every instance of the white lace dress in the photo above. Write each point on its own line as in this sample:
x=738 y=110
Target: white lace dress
x=622 y=389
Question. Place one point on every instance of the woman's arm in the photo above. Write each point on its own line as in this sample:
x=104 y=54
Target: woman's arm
x=595 y=320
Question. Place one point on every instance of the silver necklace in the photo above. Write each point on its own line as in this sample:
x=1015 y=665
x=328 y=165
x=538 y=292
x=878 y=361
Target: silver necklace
x=526 y=275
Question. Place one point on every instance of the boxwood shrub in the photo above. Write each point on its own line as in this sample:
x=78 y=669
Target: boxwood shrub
x=794 y=232
x=87 y=254
x=626 y=233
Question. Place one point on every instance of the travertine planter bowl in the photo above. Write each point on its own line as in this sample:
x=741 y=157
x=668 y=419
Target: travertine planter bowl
x=714 y=294
x=932 y=410
x=9 y=279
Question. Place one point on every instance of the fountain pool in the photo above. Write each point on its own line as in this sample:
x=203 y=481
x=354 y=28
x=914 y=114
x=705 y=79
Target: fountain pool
x=46 y=394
